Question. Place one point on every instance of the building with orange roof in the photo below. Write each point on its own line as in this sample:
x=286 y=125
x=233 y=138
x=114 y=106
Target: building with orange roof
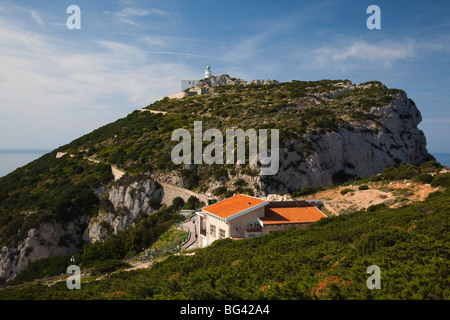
x=243 y=216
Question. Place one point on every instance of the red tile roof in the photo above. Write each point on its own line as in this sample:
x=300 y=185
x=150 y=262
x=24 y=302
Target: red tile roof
x=291 y=215
x=234 y=205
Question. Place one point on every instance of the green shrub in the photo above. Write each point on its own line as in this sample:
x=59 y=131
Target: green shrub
x=178 y=202
x=376 y=207
x=441 y=180
x=424 y=178
x=220 y=190
x=220 y=173
x=346 y=190
x=240 y=183
x=308 y=190
x=108 y=266
x=249 y=172
x=192 y=203
x=430 y=167
x=154 y=203
x=363 y=187
x=406 y=171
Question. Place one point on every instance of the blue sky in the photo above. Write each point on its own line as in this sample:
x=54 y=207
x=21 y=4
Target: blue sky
x=57 y=84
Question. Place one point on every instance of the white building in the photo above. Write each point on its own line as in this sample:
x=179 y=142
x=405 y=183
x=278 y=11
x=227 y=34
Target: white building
x=188 y=83
x=243 y=216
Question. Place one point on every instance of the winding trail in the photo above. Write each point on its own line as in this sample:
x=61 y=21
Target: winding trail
x=170 y=191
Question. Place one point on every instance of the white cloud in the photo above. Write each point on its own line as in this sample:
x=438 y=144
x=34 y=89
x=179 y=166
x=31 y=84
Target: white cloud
x=126 y=15
x=359 y=53
x=349 y=54
x=37 y=18
x=371 y=52
x=53 y=91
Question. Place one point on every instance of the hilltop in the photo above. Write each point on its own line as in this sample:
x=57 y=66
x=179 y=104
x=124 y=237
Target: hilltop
x=331 y=131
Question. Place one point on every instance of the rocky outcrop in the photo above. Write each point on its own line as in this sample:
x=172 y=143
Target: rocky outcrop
x=260 y=82
x=357 y=148
x=225 y=79
x=221 y=80
x=128 y=202
x=47 y=240
x=362 y=149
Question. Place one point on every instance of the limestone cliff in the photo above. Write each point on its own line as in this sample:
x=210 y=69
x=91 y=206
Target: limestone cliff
x=47 y=240
x=357 y=149
x=388 y=135
x=128 y=202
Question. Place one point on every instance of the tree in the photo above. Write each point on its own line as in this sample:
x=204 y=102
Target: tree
x=178 y=202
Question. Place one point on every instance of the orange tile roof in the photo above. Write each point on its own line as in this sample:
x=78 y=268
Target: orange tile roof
x=234 y=205
x=291 y=215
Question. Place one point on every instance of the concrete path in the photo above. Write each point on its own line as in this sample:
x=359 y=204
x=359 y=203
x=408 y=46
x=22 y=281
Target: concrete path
x=191 y=243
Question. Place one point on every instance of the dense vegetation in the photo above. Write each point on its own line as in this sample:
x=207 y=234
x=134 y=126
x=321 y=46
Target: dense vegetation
x=49 y=189
x=425 y=173
x=325 y=261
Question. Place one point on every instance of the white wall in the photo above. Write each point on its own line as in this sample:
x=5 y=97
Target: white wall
x=185 y=84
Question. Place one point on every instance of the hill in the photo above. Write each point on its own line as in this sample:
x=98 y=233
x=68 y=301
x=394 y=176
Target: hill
x=331 y=131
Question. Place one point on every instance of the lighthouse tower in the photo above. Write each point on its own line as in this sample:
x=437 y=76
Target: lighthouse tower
x=208 y=72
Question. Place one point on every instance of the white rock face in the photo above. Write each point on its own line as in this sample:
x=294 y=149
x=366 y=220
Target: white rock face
x=129 y=202
x=363 y=149
x=48 y=240
x=225 y=79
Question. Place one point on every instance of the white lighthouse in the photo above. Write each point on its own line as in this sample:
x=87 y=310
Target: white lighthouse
x=208 y=72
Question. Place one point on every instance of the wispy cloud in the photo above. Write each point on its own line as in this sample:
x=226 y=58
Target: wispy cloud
x=349 y=54
x=357 y=53
x=126 y=15
x=37 y=18
x=48 y=87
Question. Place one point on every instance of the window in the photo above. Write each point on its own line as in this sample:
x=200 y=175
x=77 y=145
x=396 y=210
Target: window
x=251 y=224
x=212 y=230
x=236 y=228
x=221 y=234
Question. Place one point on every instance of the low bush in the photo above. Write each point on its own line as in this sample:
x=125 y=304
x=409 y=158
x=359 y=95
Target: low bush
x=108 y=266
x=441 y=180
x=423 y=178
x=346 y=190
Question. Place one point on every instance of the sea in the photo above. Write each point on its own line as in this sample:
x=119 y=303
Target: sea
x=10 y=160
x=442 y=158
